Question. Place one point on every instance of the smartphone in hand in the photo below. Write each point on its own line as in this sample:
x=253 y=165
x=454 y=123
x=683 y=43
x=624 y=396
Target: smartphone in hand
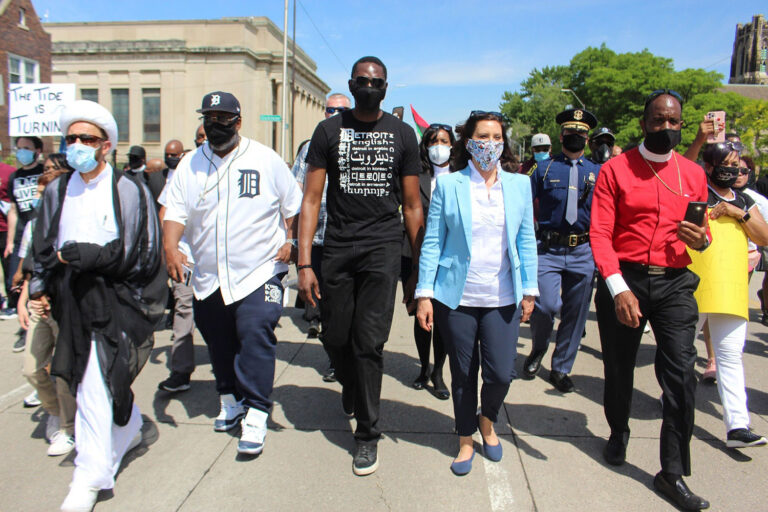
x=718 y=116
x=187 y=277
x=695 y=212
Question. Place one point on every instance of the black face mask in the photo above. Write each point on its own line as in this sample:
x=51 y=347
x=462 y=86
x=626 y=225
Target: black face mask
x=135 y=162
x=219 y=134
x=574 y=142
x=172 y=161
x=602 y=153
x=723 y=176
x=662 y=142
x=367 y=99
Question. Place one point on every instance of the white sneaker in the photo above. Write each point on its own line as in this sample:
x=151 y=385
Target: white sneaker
x=254 y=430
x=80 y=499
x=61 y=444
x=31 y=400
x=231 y=412
x=51 y=427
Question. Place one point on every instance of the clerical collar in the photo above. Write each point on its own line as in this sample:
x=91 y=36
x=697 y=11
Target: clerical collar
x=653 y=157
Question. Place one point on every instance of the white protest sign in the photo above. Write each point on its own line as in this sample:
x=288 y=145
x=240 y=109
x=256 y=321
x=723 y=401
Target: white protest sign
x=34 y=109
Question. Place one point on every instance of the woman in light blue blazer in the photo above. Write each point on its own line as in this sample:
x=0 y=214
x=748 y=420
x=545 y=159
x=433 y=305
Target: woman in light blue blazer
x=477 y=275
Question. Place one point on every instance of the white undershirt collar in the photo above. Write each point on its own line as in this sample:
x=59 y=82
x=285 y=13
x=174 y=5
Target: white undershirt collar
x=653 y=157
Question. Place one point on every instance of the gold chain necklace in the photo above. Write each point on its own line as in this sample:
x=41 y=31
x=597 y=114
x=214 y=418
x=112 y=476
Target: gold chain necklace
x=679 y=179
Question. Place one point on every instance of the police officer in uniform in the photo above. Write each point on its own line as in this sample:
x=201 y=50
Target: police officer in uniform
x=601 y=144
x=563 y=187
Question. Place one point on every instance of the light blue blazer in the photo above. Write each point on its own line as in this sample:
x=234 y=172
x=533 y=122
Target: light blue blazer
x=445 y=253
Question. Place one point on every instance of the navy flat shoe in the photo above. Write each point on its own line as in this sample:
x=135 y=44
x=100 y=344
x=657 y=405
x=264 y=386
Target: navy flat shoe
x=492 y=452
x=463 y=467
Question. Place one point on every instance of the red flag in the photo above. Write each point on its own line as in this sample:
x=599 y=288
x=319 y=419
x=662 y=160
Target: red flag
x=421 y=124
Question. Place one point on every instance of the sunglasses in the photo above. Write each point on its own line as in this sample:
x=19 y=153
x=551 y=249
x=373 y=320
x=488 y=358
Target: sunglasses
x=333 y=110
x=223 y=119
x=364 y=81
x=84 y=138
x=743 y=170
x=479 y=113
x=734 y=145
x=440 y=126
x=659 y=92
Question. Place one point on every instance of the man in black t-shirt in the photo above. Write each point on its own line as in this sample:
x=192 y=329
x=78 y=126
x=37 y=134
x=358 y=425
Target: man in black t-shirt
x=371 y=159
x=22 y=190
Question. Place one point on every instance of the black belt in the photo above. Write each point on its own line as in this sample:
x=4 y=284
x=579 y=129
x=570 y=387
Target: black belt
x=566 y=239
x=651 y=270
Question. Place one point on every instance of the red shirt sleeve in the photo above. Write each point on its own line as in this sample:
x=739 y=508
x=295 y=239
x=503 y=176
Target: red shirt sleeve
x=602 y=221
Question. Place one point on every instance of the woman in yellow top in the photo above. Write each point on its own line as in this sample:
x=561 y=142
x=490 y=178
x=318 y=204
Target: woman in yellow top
x=722 y=294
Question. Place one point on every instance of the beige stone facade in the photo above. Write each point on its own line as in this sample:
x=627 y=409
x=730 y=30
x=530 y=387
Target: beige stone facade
x=153 y=75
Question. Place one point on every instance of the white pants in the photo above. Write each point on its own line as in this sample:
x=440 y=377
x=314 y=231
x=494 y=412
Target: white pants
x=728 y=334
x=99 y=442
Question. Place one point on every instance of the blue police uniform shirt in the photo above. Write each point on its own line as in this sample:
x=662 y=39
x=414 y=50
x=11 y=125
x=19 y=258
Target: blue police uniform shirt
x=549 y=183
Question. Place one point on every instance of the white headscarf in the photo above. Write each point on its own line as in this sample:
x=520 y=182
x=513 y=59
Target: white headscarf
x=90 y=112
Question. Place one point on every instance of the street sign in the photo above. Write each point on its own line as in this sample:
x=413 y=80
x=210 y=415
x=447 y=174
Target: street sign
x=34 y=109
x=271 y=118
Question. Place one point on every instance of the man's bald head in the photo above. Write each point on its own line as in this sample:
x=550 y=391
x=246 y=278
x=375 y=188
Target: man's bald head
x=337 y=100
x=154 y=165
x=174 y=148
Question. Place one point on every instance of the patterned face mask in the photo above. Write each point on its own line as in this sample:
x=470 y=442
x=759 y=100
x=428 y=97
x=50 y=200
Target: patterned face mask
x=485 y=152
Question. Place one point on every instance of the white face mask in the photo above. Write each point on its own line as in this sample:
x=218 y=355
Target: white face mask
x=439 y=154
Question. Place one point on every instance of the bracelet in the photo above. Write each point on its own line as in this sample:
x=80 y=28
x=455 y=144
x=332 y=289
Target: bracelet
x=300 y=267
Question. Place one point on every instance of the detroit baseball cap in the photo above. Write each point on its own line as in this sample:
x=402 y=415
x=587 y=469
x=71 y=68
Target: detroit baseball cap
x=219 y=101
x=602 y=131
x=540 y=139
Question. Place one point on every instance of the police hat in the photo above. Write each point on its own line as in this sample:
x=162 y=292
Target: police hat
x=603 y=130
x=576 y=119
x=219 y=101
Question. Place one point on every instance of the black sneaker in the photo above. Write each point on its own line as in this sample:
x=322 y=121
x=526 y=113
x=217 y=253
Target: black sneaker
x=615 y=451
x=366 y=460
x=330 y=375
x=176 y=382
x=314 y=329
x=744 y=438
x=21 y=342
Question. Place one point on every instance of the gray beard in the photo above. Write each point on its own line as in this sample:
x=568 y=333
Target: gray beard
x=226 y=146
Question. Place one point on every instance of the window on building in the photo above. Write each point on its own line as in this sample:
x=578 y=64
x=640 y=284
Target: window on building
x=151 y=111
x=22 y=17
x=121 y=112
x=89 y=94
x=22 y=71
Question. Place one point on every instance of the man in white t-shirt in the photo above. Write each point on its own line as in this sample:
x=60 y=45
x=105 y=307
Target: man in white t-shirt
x=232 y=198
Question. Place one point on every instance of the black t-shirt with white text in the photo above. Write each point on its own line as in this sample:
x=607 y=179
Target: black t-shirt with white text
x=364 y=163
x=740 y=200
x=22 y=190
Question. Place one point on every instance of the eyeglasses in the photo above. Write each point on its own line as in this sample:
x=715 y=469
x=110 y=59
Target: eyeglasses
x=333 y=110
x=440 y=126
x=364 y=81
x=478 y=113
x=659 y=92
x=743 y=170
x=220 y=118
x=85 y=138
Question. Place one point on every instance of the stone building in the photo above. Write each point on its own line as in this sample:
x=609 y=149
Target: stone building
x=152 y=75
x=750 y=53
x=25 y=57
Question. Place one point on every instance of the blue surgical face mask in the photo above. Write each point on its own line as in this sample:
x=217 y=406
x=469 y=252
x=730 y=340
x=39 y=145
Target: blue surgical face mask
x=81 y=157
x=25 y=156
x=540 y=157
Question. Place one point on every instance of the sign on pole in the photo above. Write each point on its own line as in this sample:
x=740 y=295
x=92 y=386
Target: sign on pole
x=34 y=109
x=272 y=118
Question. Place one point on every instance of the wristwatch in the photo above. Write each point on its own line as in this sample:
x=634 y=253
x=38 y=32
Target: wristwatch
x=293 y=242
x=745 y=218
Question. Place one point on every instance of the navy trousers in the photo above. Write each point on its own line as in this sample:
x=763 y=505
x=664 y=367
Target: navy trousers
x=474 y=337
x=241 y=341
x=565 y=286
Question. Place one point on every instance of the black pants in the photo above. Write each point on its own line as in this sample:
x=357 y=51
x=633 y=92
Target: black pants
x=358 y=302
x=241 y=341
x=667 y=302
x=474 y=337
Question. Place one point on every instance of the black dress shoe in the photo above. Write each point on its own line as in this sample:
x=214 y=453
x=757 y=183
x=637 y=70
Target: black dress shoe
x=679 y=493
x=615 y=451
x=421 y=381
x=561 y=381
x=533 y=364
x=441 y=390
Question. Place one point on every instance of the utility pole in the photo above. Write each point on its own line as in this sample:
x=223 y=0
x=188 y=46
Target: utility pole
x=293 y=78
x=283 y=118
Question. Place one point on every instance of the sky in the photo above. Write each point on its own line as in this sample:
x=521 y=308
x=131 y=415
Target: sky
x=450 y=57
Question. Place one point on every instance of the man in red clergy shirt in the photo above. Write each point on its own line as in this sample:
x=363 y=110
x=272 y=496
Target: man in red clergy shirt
x=639 y=240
